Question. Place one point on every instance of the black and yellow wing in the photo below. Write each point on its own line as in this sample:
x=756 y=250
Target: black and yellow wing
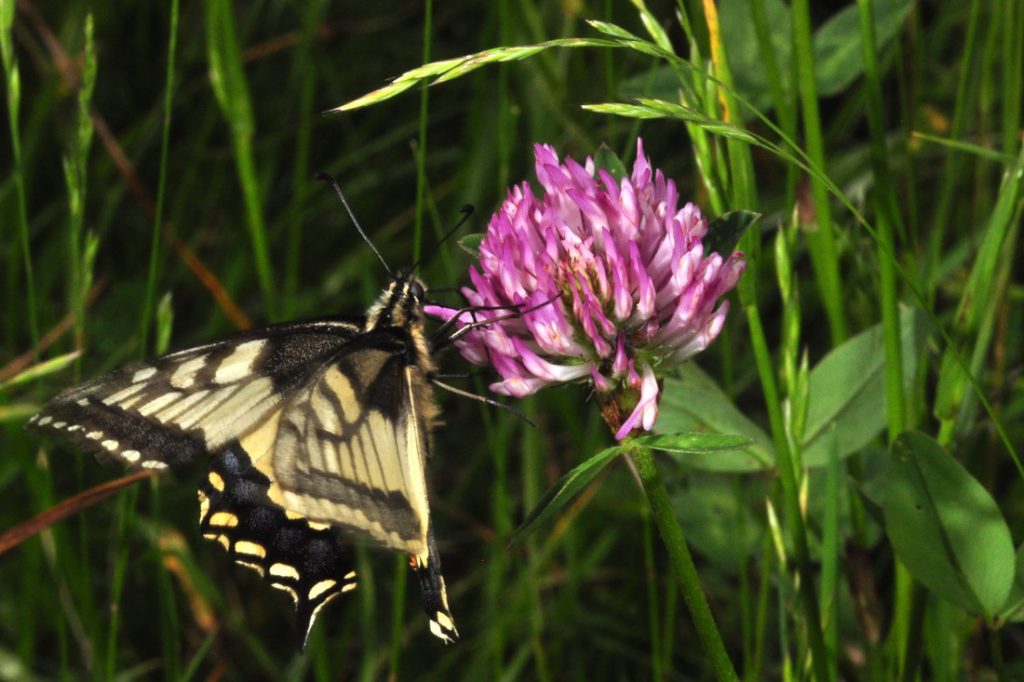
x=318 y=433
x=312 y=562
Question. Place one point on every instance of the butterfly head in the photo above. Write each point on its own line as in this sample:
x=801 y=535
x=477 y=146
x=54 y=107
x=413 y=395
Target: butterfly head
x=400 y=305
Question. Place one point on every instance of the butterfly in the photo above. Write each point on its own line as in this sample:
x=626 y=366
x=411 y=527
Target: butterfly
x=317 y=433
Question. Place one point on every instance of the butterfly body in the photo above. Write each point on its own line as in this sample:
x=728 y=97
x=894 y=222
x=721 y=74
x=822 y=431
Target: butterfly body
x=317 y=433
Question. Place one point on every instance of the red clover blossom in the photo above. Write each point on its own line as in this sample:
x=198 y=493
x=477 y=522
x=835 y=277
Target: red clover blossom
x=614 y=279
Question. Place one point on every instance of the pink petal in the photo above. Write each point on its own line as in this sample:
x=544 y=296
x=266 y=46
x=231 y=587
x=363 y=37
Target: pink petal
x=646 y=411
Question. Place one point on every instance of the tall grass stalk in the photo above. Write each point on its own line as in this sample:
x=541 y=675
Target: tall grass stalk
x=232 y=92
x=820 y=241
x=12 y=86
x=952 y=174
x=304 y=73
x=161 y=187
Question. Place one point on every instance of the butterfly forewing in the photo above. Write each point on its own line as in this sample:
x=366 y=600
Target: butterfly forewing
x=349 y=449
x=195 y=401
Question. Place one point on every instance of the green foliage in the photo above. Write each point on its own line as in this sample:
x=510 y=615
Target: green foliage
x=563 y=492
x=606 y=158
x=842 y=461
x=231 y=89
x=724 y=232
x=946 y=528
x=846 y=399
x=1014 y=610
x=692 y=443
x=471 y=244
x=850 y=417
x=838 y=58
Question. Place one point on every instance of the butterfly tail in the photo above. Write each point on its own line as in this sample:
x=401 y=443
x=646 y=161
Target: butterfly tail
x=435 y=597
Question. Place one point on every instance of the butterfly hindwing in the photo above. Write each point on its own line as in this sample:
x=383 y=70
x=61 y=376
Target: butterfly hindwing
x=307 y=560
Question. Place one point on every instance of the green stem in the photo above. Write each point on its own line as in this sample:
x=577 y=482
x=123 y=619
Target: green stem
x=421 y=146
x=789 y=478
x=682 y=563
x=158 y=213
x=996 y=647
x=821 y=242
x=13 y=89
x=398 y=615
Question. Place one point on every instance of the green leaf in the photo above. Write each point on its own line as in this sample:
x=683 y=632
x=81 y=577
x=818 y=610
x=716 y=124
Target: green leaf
x=846 y=391
x=868 y=501
x=164 y=323
x=227 y=75
x=838 y=52
x=694 y=402
x=746 y=63
x=694 y=442
x=608 y=160
x=847 y=388
x=970 y=148
x=41 y=369
x=6 y=17
x=562 y=492
x=717 y=515
x=838 y=56
x=724 y=232
x=1014 y=609
x=750 y=78
x=471 y=243
x=946 y=528
x=979 y=302
x=16 y=412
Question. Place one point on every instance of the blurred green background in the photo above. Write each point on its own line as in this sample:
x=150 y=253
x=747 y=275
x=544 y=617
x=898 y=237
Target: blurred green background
x=917 y=141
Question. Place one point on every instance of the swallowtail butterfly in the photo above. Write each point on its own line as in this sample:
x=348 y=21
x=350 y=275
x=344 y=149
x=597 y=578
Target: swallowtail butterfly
x=315 y=432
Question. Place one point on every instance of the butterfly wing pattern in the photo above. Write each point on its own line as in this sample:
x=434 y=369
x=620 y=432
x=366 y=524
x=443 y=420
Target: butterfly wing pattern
x=317 y=434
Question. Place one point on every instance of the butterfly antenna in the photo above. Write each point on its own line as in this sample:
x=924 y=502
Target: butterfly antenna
x=329 y=179
x=467 y=211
